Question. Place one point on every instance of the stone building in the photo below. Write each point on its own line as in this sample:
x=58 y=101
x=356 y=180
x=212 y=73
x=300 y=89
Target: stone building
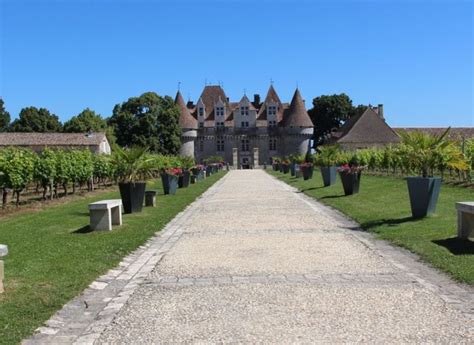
x=245 y=133
x=368 y=129
x=95 y=142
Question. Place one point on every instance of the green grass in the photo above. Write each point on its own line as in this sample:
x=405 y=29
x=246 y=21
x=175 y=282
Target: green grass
x=52 y=258
x=383 y=207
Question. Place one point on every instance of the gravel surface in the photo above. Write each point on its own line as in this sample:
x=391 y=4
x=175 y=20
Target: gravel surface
x=259 y=263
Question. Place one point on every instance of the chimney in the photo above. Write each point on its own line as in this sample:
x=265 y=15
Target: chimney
x=227 y=98
x=190 y=104
x=380 y=111
x=256 y=100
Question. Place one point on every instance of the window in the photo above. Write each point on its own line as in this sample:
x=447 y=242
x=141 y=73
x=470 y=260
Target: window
x=271 y=110
x=201 y=111
x=245 y=145
x=220 y=124
x=272 y=144
x=201 y=125
x=201 y=145
x=244 y=110
x=220 y=144
x=244 y=124
x=219 y=111
x=272 y=123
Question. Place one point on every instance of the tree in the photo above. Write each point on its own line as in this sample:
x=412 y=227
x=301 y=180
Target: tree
x=330 y=112
x=86 y=121
x=32 y=119
x=148 y=121
x=16 y=171
x=4 y=117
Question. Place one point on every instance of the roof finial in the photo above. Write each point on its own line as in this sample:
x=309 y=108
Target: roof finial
x=271 y=81
x=245 y=92
x=205 y=82
x=297 y=84
x=179 y=86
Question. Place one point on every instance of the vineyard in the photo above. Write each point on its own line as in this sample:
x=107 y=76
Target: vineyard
x=58 y=173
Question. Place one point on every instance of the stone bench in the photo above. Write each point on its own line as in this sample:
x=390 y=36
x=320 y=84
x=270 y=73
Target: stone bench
x=465 y=219
x=3 y=252
x=105 y=213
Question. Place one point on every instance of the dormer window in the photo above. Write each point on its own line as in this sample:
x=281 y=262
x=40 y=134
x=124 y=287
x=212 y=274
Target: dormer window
x=271 y=110
x=244 y=110
x=219 y=111
x=201 y=111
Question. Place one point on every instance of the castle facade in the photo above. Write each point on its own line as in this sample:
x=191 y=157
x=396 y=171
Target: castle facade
x=245 y=133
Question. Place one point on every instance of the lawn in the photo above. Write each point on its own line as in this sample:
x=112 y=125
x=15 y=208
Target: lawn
x=53 y=258
x=383 y=207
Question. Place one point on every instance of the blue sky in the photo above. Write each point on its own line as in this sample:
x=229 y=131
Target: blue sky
x=415 y=57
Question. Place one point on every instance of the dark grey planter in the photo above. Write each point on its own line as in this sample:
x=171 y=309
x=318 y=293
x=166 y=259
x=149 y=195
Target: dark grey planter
x=350 y=182
x=170 y=183
x=132 y=195
x=424 y=193
x=150 y=198
x=307 y=172
x=329 y=175
x=276 y=166
x=286 y=168
x=208 y=171
x=293 y=169
x=183 y=180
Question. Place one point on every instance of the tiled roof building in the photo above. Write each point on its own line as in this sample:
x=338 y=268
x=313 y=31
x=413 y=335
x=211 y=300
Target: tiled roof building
x=245 y=133
x=96 y=142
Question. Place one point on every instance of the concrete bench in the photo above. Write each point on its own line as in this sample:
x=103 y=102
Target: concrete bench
x=465 y=219
x=105 y=213
x=3 y=252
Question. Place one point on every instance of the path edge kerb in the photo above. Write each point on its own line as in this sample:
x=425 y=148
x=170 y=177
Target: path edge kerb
x=459 y=295
x=97 y=305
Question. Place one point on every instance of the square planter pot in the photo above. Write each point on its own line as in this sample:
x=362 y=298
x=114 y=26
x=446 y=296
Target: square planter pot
x=350 y=182
x=293 y=169
x=276 y=167
x=329 y=175
x=150 y=198
x=307 y=172
x=132 y=195
x=183 y=180
x=208 y=171
x=193 y=179
x=424 y=192
x=286 y=168
x=170 y=183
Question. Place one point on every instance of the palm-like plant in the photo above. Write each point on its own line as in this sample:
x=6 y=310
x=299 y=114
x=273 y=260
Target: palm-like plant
x=426 y=152
x=328 y=155
x=132 y=164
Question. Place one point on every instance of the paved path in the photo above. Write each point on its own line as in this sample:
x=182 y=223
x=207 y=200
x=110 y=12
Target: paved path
x=255 y=261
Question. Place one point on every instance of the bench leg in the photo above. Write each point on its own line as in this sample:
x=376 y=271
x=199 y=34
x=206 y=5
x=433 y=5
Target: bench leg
x=100 y=220
x=117 y=215
x=465 y=225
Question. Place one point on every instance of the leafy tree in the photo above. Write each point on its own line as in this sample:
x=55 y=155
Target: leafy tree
x=4 y=117
x=330 y=112
x=86 y=121
x=148 y=121
x=32 y=119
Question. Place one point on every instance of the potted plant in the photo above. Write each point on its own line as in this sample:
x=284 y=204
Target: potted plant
x=424 y=153
x=276 y=163
x=307 y=169
x=350 y=177
x=133 y=167
x=285 y=166
x=169 y=178
x=186 y=163
x=327 y=159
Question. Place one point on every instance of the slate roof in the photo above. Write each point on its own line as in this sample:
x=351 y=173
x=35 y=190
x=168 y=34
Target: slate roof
x=51 y=139
x=367 y=127
x=296 y=115
x=186 y=120
x=455 y=133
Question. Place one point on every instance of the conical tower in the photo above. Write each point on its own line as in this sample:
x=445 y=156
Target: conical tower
x=298 y=126
x=189 y=126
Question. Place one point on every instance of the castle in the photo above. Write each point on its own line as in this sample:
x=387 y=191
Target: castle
x=245 y=133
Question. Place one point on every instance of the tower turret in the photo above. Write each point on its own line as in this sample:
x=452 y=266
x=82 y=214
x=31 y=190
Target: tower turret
x=188 y=125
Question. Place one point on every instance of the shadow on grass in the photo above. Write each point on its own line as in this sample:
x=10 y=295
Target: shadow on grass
x=390 y=222
x=312 y=188
x=333 y=196
x=84 y=230
x=457 y=246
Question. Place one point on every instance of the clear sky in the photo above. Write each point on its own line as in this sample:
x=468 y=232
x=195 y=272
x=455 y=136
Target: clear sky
x=415 y=57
